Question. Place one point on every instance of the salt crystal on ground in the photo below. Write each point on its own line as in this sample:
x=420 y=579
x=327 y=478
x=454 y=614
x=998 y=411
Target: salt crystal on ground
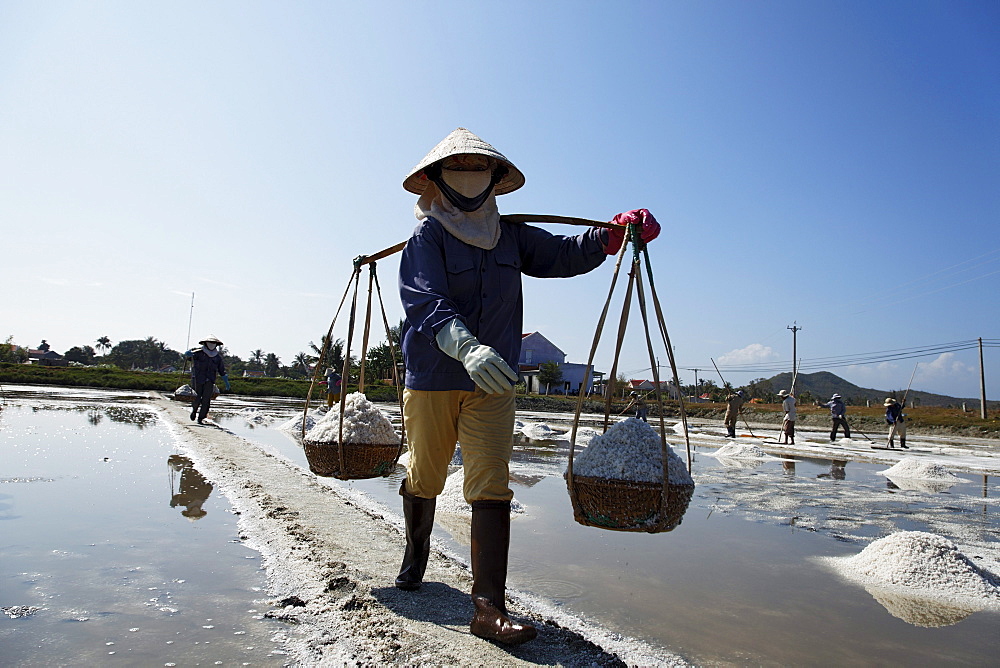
x=630 y=450
x=294 y=425
x=741 y=451
x=914 y=467
x=363 y=421
x=922 y=564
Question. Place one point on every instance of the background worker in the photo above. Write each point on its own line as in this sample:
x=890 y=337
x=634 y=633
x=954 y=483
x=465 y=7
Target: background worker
x=206 y=363
x=788 y=422
x=641 y=408
x=734 y=403
x=333 y=386
x=897 y=424
x=460 y=285
x=838 y=419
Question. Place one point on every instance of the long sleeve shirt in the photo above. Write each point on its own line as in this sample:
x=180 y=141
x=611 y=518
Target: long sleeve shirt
x=441 y=278
x=788 y=405
x=837 y=408
x=894 y=413
x=204 y=368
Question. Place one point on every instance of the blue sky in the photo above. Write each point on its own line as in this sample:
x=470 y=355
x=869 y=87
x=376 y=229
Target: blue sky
x=832 y=164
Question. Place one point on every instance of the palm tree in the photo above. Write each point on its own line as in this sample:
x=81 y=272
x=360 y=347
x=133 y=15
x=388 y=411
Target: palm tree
x=302 y=360
x=257 y=357
x=104 y=344
x=272 y=364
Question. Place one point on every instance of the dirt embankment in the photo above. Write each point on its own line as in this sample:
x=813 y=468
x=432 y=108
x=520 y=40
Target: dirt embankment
x=331 y=558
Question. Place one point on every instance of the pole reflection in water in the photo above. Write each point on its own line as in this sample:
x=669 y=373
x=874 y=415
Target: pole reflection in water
x=192 y=491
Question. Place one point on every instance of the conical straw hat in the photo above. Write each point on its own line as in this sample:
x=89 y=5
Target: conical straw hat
x=458 y=142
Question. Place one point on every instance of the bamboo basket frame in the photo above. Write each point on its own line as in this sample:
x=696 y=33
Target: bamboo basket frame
x=624 y=505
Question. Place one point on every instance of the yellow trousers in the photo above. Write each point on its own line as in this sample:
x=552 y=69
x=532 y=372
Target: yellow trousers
x=484 y=425
x=331 y=399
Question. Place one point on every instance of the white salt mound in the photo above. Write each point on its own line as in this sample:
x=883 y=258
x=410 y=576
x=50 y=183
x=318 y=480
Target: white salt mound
x=364 y=422
x=452 y=497
x=539 y=431
x=922 y=563
x=294 y=425
x=915 y=468
x=741 y=451
x=585 y=435
x=630 y=450
x=185 y=391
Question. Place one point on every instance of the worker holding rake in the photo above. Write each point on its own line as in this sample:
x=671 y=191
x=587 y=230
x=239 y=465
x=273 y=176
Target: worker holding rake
x=460 y=285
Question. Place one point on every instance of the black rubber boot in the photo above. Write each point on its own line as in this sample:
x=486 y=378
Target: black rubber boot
x=419 y=515
x=490 y=545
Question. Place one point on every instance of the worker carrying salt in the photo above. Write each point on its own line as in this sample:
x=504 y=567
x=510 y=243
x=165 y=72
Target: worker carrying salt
x=333 y=386
x=788 y=422
x=639 y=403
x=460 y=285
x=206 y=363
x=734 y=402
x=838 y=411
x=896 y=420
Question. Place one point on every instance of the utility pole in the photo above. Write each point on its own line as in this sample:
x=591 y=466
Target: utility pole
x=795 y=355
x=697 y=386
x=982 y=382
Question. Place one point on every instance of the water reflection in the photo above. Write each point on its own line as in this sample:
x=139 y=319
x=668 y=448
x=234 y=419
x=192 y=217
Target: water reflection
x=838 y=470
x=192 y=491
x=919 y=611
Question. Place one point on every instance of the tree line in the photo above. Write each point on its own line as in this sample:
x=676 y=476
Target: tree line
x=151 y=354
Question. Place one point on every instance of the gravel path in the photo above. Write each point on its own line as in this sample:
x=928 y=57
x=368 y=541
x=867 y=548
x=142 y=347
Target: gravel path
x=331 y=559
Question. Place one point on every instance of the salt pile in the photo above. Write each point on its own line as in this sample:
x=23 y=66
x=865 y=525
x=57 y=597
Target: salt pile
x=630 y=450
x=185 y=391
x=741 y=451
x=540 y=431
x=914 y=468
x=922 y=565
x=254 y=416
x=585 y=435
x=452 y=497
x=294 y=425
x=363 y=423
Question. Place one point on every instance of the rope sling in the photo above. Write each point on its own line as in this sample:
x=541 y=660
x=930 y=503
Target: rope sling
x=354 y=461
x=627 y=505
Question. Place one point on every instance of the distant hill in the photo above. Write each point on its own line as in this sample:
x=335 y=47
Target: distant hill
x=823 y=384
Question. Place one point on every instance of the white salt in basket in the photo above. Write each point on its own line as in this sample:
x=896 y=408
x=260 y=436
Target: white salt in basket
x=620 y=482
x=353 y=444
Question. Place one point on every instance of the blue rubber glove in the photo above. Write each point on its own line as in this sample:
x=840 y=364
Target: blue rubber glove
x=486 y=367
x=189 y=353
x=225 y=379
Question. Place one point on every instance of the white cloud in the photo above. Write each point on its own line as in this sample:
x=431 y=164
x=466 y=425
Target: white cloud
x=944 y=367
x=752 y=354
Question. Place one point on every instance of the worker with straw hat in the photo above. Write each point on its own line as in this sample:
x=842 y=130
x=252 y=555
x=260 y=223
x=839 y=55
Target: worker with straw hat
x=788 y=422
x=897 y=424
x=206 y=363
x=734 y=404
x=460 y=284
x=838 y=417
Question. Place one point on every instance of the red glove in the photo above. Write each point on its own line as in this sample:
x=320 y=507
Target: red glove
x=650 y=228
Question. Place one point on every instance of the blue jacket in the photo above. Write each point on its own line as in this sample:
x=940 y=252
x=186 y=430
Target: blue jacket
x=441 y=278
x=837 y=408
x=205 y=368
x=894 y=413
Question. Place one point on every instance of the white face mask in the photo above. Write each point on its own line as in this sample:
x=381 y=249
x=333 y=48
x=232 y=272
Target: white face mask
x=467 y=184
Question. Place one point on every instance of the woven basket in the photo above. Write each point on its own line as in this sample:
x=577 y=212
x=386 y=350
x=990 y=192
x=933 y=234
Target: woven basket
x=361 y=460
x=626 y=505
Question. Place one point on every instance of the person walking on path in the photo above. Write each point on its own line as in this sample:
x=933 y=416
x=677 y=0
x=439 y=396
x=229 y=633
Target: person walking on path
x=788 y=422
x=734 y=403
x=206 y=363
x=333 y=386
x=460 y=286
x=896 y=421
x=641 y=408
x=838 y=411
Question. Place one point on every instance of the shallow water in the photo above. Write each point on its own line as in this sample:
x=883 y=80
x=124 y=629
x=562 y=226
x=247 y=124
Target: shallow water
x=114 y=548
x=736 y=583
